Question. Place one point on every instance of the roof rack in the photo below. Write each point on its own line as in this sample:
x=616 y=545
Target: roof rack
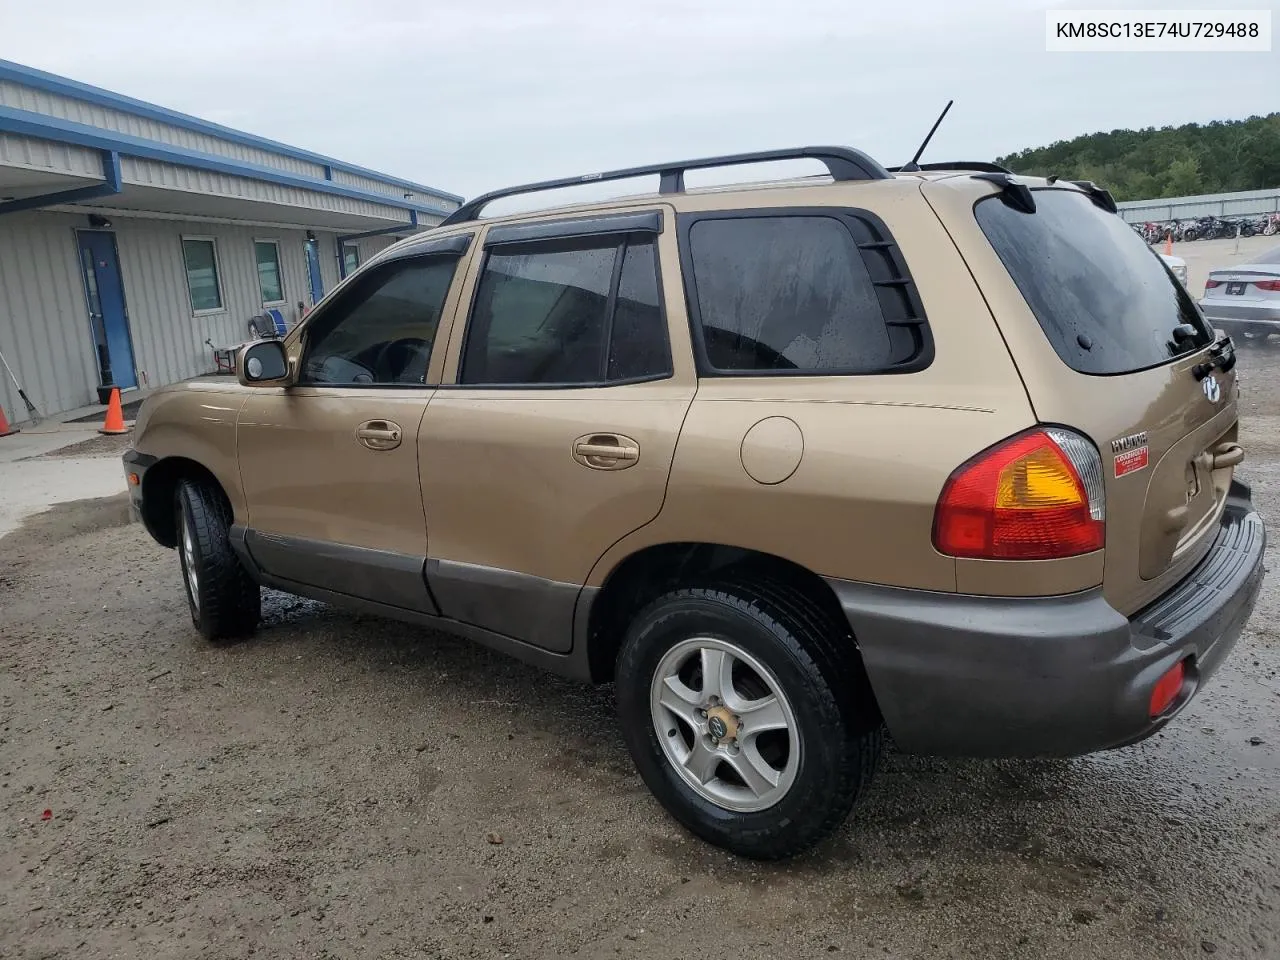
x=979 y=165
x=843 y=163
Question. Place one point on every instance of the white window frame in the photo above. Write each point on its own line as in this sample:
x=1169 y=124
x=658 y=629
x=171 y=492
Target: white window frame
x=217 y=271
x=284 y=297
x=356 y=248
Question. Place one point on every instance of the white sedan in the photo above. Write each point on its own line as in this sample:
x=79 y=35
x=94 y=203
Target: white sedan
x=1245 y=299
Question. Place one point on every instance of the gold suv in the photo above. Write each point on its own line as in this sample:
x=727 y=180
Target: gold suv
x=941 y=453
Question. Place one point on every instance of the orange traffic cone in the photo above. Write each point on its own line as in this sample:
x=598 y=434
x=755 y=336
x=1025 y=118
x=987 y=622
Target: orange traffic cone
x=1168 y=244
x=5 y=429
x=115 y=416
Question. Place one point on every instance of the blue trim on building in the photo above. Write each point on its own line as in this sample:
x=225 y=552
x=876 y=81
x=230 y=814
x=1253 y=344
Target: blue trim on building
x=111 y=185
x=52 y=83
x=40 y=126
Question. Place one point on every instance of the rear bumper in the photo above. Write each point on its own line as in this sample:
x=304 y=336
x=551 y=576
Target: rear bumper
x=1050 y=676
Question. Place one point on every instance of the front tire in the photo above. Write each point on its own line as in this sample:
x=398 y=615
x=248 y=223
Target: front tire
x=747 y=714
x=223 y=600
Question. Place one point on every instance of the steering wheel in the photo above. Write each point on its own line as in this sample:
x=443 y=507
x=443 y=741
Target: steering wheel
x=395 y=358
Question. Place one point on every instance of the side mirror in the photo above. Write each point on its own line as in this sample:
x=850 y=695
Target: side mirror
x=263 y=363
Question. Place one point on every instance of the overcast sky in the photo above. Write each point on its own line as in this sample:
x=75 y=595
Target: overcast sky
x=476 y=94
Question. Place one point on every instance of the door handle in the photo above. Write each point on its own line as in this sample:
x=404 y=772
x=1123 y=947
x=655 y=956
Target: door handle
x=379 y=434
x=606 y=451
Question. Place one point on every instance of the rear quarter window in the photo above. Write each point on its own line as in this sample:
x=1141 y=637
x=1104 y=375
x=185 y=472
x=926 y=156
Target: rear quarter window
x=790 y=291
x=1103 y=298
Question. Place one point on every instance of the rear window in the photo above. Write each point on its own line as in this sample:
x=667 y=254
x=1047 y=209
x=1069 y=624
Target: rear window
x=1102 y=296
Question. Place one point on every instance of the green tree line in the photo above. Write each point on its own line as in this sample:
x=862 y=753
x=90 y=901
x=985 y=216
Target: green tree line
x=1218 y=157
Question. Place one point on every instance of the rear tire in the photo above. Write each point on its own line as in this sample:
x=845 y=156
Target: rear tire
x=820 y=742
x=223 y=600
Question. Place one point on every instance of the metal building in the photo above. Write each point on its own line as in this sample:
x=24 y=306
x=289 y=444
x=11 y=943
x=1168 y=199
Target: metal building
x=134 y=238
x=1246 y=203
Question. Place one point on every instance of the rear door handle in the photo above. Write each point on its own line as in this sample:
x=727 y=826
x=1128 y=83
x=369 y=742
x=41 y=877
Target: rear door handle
x=379 y=434
x=606 y=451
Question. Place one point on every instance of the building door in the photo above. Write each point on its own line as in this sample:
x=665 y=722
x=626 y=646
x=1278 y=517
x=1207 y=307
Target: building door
x=313 y=271
x=108 y=316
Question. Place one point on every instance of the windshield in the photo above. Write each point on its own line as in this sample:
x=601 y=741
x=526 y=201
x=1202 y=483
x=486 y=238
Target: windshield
x=1106 y=302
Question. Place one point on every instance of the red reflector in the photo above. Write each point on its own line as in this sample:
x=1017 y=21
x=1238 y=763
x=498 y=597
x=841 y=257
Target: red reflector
x=1167 y=689
x=1210 y=284
x=1271 y=285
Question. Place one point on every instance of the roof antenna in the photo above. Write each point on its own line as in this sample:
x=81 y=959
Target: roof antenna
x=914 y=165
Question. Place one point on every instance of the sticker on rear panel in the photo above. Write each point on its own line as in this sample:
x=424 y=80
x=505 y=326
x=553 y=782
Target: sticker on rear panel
x=1131 y=461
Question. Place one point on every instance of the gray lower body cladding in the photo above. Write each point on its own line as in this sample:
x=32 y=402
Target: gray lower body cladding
x=404 y=588
x=1050 y=676
x=383 y=576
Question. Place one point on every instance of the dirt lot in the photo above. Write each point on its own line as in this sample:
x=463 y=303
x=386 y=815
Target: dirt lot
x=334 y=788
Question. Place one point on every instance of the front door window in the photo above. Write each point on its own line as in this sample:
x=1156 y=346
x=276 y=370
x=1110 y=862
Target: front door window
x=382 y=329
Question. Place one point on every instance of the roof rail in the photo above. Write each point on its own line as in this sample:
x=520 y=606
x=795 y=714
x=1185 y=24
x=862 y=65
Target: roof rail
x=982 y=166
x=843 y=163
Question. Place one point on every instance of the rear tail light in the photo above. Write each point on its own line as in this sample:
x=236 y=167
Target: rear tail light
x=1210 y=284
x=1036 y=496
x=1271 y=285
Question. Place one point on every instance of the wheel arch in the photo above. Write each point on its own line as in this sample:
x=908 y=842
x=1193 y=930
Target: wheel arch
x=646 y=574
x=191 y=430
x=160 y=484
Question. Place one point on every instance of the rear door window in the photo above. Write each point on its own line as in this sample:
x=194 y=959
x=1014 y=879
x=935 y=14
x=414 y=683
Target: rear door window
x=567 y=312
x=1102 y=296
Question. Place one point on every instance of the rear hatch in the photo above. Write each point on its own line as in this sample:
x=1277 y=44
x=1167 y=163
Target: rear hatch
x=1107 y=342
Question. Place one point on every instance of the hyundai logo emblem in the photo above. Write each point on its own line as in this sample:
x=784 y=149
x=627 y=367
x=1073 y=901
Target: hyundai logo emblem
x=1211 y=389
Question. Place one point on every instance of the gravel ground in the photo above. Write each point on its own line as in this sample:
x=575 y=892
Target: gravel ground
x=342 y=786
x=111 y=445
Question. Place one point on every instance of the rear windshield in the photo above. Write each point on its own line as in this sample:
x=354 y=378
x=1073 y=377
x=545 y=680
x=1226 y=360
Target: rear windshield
x=1103 y=297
